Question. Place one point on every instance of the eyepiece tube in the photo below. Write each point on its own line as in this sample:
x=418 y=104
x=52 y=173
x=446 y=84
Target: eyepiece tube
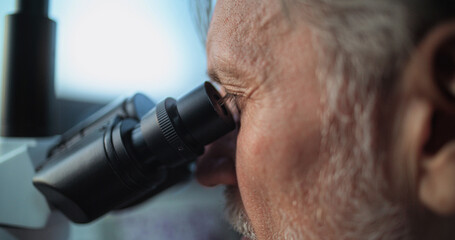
x=205 y=118
x=186 y=125
x=127 y=161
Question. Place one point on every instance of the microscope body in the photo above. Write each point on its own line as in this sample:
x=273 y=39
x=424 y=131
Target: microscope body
x=123 y=154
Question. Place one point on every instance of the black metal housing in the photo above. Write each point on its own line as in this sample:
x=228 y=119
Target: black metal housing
x=126 y=156
x=28 y=72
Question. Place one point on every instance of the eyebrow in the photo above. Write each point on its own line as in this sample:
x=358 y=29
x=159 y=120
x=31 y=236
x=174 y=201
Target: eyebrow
x=227 y=78
x=213 y=75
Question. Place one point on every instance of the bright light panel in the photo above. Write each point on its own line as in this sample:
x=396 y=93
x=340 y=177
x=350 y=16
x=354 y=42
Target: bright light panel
x=108 y=48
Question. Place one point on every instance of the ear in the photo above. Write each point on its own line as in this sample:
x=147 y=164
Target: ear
x=430 y=86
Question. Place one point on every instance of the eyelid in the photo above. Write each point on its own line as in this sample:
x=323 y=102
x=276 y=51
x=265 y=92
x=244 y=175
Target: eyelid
x=230 y=98
x=231 y=102
x=226 y=85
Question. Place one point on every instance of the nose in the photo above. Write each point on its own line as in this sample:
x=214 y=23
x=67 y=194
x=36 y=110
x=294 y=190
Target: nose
x=217 y=165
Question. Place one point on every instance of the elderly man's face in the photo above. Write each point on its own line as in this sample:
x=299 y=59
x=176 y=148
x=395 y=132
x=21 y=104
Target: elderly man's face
x=287 y=177
x=269 y=63
x=251 y=51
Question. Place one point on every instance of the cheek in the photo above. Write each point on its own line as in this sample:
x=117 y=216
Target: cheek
x=277 y=140
x=275 y=146
x=254 y=176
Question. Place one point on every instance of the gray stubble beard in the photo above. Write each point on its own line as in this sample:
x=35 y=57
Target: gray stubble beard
x=235 y=213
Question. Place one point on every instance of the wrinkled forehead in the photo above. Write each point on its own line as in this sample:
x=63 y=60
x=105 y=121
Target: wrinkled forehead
x=245 y=28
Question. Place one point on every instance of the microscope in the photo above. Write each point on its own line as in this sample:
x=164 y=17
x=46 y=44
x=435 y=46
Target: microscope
x=123 y=154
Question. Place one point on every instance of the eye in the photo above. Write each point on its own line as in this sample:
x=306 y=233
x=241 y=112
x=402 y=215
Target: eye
x=227 y=98
x=230 y=101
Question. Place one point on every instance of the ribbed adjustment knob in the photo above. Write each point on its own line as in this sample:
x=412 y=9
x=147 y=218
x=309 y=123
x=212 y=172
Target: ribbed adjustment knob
x=168 y=128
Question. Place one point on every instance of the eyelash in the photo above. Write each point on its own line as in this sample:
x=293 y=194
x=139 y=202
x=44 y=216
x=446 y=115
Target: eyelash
x=231 y=101
x=228 y=98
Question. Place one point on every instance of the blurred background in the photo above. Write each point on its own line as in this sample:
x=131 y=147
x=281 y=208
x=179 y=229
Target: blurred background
x=107 y=49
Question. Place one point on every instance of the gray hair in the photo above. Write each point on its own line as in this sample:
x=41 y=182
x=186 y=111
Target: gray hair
x=364 y=45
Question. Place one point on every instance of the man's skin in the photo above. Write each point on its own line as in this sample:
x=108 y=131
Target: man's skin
x=266 y=58
x=251 y=51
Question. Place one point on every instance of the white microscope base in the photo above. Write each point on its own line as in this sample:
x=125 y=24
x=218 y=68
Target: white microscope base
x=21 y=205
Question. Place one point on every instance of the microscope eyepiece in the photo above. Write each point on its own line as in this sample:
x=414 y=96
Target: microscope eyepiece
x=132 y=155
